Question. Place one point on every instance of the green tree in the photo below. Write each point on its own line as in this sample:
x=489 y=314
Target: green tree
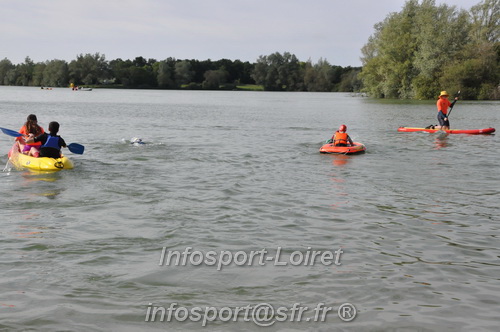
x=485 y=18
x=119 y=70
x=25 y=72
x=476 y=69
x=214 y=79
x=166 y=70
x=141 y=77
x=38 y=73
x=396 y=45
x=442 y=34
x=318 y=77
x=183 y=72
x=5 y=66
x=56 y=73
x=261 y=73
x=477 y=74
x=11 y=77
x=291 y=73
x=139 y=62
x=88 y=69
x=242 y=72
x=350 y=81
x=413 y=53
x=277 y=72
x=237 y=71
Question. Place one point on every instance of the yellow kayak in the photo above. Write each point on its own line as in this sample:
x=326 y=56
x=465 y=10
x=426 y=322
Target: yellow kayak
x=39 y=164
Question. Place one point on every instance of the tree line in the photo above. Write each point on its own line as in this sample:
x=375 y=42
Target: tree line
x=413 y=54
x=426 y=48
x=275 y=72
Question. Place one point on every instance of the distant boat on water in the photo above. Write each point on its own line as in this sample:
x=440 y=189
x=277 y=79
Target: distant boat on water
x=78 y=88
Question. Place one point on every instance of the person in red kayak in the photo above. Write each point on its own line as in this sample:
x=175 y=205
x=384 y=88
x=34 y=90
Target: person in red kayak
x=340 y=137
x=442 y=105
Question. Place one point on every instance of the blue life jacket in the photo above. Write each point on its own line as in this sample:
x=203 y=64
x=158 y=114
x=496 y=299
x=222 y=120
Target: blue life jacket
x=52 y=142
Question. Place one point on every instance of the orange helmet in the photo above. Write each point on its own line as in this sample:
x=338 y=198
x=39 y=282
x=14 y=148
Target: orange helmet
x=343 y=128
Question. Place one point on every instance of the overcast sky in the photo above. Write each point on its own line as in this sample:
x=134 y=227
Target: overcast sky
x=193 y=29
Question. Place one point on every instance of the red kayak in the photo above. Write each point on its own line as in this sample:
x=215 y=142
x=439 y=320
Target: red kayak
x=450 y=131
x=355 y=148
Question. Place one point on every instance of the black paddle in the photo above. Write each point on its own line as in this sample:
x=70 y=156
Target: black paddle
x=453 y=104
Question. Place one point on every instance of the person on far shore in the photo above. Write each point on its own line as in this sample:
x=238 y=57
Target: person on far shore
x=51 y=143
x=442 y=106
x=340 y=137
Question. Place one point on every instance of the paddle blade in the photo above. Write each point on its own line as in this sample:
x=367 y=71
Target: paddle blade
x=76 y=148
x=11 y=132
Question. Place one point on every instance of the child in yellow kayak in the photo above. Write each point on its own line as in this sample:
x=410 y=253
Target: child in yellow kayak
x=30 y=127
x=51 y=143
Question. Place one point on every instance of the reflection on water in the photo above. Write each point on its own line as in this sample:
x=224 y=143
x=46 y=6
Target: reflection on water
x=28 y=232
x=33 y=176
x=341 y=198
x=41 y=183
x=340 y=160
x=441 y=142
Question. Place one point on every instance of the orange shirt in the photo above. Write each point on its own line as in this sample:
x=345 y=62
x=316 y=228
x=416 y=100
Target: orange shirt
x=442 y=105
x=25 y=133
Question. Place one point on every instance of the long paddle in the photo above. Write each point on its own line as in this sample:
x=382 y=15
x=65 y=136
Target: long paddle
x=73 y=147
x=453 y=104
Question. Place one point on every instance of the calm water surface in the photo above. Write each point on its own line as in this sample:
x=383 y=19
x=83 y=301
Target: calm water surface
x=416 y=216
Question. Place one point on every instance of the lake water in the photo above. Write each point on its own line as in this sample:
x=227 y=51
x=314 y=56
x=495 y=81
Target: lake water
x=235 y=173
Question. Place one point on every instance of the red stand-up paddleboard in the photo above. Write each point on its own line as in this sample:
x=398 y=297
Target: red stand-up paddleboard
x=450 y=131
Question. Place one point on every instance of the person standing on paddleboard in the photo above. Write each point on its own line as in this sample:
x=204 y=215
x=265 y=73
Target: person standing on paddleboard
x=442 y=105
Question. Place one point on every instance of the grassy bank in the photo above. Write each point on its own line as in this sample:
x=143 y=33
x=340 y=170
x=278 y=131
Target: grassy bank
x=250 y=87
x=243 y=87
